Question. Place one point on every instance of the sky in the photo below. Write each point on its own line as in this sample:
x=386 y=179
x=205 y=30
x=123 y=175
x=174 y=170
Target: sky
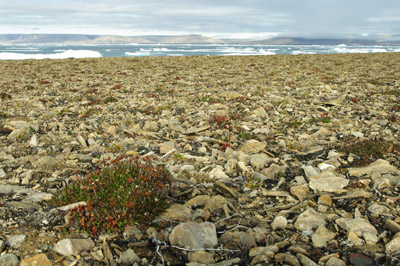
x=214 y=18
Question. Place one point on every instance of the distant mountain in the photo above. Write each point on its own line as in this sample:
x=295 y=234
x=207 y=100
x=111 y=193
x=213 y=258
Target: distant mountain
x=170 y=39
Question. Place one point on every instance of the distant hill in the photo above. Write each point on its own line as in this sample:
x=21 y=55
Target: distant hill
x=170 y=39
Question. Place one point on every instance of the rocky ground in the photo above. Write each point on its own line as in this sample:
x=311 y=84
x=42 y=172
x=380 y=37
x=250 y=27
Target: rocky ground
x=277 y=160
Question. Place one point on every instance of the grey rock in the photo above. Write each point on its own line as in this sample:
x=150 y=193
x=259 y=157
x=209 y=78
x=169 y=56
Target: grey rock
x=2 y=173
x=308 y=220
x=328 y=181
x=259 y=161
x=310 y=171
x=49 y=163
x=273 y=170
x=9 y=259
x=16 y=241
x=394 y=244
x=219 y=174
x=39 y=197
x=194 y=235
x=129 y=257
x=379 y=166
x=358 y=225
x=69 y=247
x=378 y=209
x=12 y=189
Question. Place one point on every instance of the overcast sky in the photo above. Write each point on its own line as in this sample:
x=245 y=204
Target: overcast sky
x=219 y=18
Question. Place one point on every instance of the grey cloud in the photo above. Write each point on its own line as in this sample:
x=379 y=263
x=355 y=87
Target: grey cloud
x=301 y=18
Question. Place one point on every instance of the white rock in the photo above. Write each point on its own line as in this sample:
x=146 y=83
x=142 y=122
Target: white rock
x=280 y=222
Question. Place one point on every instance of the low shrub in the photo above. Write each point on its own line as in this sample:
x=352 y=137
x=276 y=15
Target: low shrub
x=126 y=191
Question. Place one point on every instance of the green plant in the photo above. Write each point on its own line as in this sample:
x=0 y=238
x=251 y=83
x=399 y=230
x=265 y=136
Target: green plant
x=110 y=99
x=126 y=191
x=253 y=182
x=367 y=150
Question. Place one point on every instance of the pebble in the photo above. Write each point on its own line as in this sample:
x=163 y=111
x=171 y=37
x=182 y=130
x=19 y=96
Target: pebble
x=357 y=225
x=9 y=259
x=74 y=247
x=129 y=257
x=39 y=259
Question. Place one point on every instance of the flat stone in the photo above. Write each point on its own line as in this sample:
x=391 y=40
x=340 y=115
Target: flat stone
x=252 y=147
x=379 y=166
x=259 y=161
x=150 y=126
x=327 y=181
x=9 y=259
x=352 y=236
x=177 y=212
x=49 y=163
x=311 y=171
x=201 y=256
x=268 y=250
x=288 y=258
x=194 y=235
x=325 y=200
x=392 y=226
x=300 y=192
x=358 y=225
x=219 y=174
x=333 y=261
x=39 y=259
x=13 y=189
x=69 y=247
x=378 y=209
x=129 y=257
x=370 y=239
x=39 y=197
x=260 y=112
x=305 y=261
x=16 y=241
x=394 y=244
x=322 y=236
x=308 y=220
x=273 y=170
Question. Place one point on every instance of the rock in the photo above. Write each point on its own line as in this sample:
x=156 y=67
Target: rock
x=273 y=170
x=300 y=192
x=12 y=189
x=252 y=147
x=378 y=209
x=39 y=259
x=379 y=166
x=219 y=174
x=197 y=201
x=322 y=236
x=194 y=235
x=269 y=251
x=33 y=142
x=333 y=261
x=9 y=259
x=49 y=163
x=16 y=241
x=311 y=171
x=39 y=197
x=132 y=233
x=69 y=247
x=327 y=181
x=129 y=257
x=352 y=236
x=358 y=225
x=287 y=258
x=201 y=257
x=392 y=226
x=2 y=245
x=150 y=126
x=325 y=200
x=305 y=261
x=237 y=240
x=394 y=244
x=241 y=166
x=177 y=212
x=82 y=141
x=2 y=173
x=166 y=147
x=308 y=220
x=279 y=222
x=258 y=161
x=260 y=112
x=370 y=239
x=361 y=260
x=112 y=130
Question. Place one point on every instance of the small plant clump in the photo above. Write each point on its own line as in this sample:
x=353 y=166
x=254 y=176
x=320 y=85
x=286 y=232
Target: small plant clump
x=368 y=150
x=126 y=191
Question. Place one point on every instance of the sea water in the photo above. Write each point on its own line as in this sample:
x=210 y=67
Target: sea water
x=18 y=52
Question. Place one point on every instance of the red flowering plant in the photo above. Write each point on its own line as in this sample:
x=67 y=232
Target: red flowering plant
x=124 y=192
